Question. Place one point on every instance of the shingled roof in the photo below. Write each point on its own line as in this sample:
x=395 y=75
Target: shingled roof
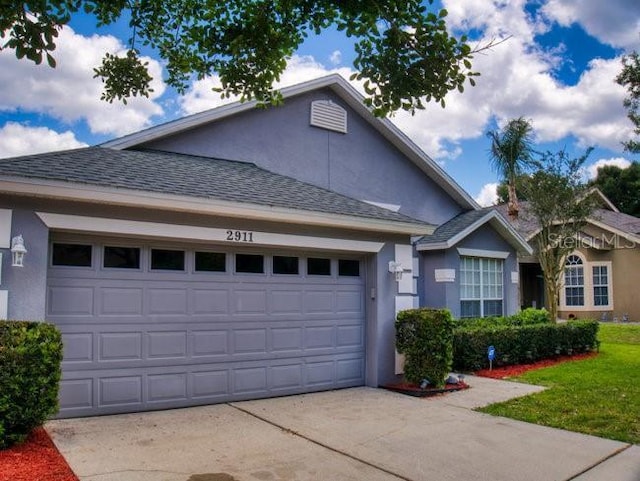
x=456 y=229
x=191 y=176
x=453 y=227
x=527 y=225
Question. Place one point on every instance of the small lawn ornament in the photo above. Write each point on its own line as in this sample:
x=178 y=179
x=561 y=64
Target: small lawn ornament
x=491 y=354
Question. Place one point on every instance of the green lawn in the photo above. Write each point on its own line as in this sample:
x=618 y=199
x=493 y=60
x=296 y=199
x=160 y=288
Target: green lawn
x=599 y=396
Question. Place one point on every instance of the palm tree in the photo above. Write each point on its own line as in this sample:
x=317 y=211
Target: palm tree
x=511 y=152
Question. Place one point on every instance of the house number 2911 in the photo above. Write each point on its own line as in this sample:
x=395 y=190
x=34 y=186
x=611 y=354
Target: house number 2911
x=239 y=236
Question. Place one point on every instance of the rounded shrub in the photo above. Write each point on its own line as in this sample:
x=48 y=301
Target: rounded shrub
x=30 y=359
x=425 y=337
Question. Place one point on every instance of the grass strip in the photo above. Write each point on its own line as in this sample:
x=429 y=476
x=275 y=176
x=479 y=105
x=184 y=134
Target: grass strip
x=598 y=396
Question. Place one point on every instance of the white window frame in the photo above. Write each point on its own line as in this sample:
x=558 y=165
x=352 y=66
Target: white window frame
x=574 y=271
x=588 y=285
x=483 y=263
x=609 y=286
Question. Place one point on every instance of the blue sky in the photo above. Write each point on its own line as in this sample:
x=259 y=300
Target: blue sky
x=556 y=68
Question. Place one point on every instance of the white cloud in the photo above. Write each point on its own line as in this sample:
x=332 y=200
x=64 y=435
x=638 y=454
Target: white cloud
x=299 y=69
x=336 y=57
x=615 y=22
x=69 y=92
x=517 y=80
x=17 y=139
x=592 y=170
x=488 y=195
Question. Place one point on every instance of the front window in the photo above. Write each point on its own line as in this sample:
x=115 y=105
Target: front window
x=600 y=286
x=481 y=287
x=574 y=281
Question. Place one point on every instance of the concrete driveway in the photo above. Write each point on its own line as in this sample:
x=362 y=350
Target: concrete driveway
x=351 y=434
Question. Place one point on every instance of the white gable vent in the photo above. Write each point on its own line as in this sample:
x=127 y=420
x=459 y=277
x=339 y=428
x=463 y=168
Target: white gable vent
x=327 y=115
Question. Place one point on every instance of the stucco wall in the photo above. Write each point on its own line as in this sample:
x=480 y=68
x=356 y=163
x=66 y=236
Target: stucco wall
x=625 y=278
x=26 y=285
x=360 y=164
x=447 y=294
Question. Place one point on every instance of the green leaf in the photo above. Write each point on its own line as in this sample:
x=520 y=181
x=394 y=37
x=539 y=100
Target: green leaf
x=51 y=61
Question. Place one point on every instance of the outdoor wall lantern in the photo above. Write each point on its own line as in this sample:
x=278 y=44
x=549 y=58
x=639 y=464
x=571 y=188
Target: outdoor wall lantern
x=396 y=269
x=18 y=251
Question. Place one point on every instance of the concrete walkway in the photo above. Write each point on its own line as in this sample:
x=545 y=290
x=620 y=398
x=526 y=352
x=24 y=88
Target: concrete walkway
x=351 y=434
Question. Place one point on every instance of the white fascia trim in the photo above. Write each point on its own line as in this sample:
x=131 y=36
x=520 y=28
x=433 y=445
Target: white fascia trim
x=216 y=113
x=482 y=253
x=517 y=240
x=626 y=235
x=103 y=225
x=5 y=229
x=154 y=200
x=346 y=92
x=604 y=198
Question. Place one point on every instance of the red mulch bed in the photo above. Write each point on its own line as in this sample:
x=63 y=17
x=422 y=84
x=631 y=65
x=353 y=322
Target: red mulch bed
x=37 y=459
x=512 y=371
x=416 y=391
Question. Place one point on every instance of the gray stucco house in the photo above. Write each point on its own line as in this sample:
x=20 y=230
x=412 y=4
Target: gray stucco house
x=243 y=253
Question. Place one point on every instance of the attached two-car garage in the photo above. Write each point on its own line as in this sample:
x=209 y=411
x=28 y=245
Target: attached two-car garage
x=154 y=325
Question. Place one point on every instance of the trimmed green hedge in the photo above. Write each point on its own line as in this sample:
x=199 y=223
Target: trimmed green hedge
x=526 y=317
x=30 y=358
x=425 y=337
x=521 y=344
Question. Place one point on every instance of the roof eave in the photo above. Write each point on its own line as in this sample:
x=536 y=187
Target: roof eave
x=626 y=235
x=135 y=198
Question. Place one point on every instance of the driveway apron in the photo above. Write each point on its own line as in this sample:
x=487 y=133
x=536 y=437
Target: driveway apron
x=350 y=434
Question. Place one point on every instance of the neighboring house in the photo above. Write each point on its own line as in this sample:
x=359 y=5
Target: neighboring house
x=601 y=275
x=243 y=253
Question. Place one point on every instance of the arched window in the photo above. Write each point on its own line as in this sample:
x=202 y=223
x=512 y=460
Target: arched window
x=574 y=281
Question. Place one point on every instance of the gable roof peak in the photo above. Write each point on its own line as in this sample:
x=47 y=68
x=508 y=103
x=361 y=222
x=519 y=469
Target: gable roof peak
x=348 y=94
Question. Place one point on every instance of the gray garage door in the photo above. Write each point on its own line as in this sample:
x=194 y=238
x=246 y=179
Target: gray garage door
x=160 y=326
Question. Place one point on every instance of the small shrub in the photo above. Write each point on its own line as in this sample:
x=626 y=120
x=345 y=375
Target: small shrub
x=425 y=337
x=530 y=316
x=30 y=358
x=521 y=344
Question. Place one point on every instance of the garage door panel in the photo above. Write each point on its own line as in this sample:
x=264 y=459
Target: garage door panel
x=76 y=395
x=78 y=347
x=319 y=337
x=286 y=377
x=166 y=301
x=250 y=380
x=350 y=336
x=286 y=339
x=167 y=387
x=117 y=301
x=118 y=346
x=210 y=384
x=350 y=301
x=250 y=301
x=349 y=370
x=250 y=341
x=142 y=340
x=319 y=301
x=167 y=344
x=209 y=343
x=120 y=391
x=286 y=302
x=213 y=302
x=70 y=301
